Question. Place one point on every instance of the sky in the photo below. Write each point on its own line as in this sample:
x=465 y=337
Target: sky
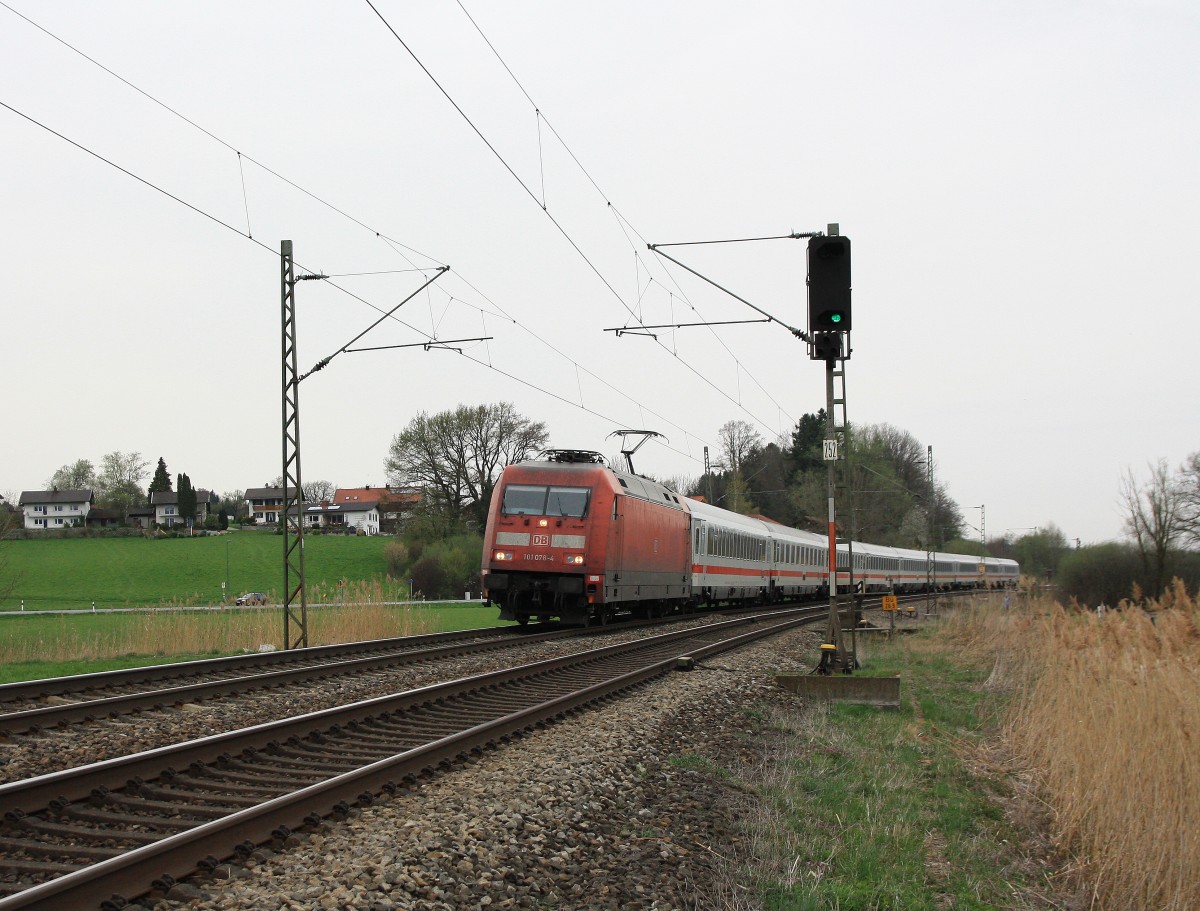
x=1020 y=183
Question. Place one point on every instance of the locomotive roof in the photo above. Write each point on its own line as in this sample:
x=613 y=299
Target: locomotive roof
x=623 y=482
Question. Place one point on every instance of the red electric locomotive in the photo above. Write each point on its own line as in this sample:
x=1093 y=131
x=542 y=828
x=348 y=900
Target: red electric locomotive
x=555 y=525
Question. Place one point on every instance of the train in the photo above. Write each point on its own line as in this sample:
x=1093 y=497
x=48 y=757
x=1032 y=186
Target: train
x=569 y=537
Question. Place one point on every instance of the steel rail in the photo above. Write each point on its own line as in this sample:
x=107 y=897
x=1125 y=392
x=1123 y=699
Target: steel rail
x=174 y=856
x=29 y=690
x=110 y=706
x=311 y=664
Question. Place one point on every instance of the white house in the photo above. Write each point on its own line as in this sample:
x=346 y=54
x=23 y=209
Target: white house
x=51 y=509
x=266 y=503
x=333 y=518
x=361 y=516
x=166 y=507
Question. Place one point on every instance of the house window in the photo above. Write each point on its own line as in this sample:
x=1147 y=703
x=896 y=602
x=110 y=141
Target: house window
x=58 y=521
x=168 y=510
x=41 y=523
x=58 y=508
x=40 y=509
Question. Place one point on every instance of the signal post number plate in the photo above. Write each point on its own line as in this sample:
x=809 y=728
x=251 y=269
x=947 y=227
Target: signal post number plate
x=891 y=602
x=829 y=450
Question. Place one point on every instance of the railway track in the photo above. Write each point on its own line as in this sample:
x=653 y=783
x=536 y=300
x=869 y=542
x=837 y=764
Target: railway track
x=38 y=704
x=100 y=834
x=35 y=705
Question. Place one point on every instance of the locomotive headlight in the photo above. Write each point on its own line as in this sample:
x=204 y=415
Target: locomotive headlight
x=502 y=555
x=574 y=559
x=543 y=523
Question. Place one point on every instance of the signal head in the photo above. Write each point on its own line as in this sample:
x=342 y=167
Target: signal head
x=829 y=284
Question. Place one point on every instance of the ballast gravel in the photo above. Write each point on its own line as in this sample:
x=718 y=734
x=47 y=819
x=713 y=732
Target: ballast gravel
x=613 y=808
x=63 y=748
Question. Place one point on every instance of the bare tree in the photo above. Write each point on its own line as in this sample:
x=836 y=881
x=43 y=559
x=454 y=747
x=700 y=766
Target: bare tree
x=739 y=441
x=682 y=483
x=1189 y=498
x=233 y=502
x=497 y=436
x=77 y=475
x=316 y=491
x=901 y=450
x=119 y=483
x=1154 y=518
x=456 y=456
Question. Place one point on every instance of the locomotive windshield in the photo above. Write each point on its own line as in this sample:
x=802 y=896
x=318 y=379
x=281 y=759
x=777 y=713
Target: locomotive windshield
x=567 y=501
x=536 y=500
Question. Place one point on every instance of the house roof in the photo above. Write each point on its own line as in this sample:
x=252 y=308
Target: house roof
x=355 y=494
x=376 y=495
x=55 y=496
x=267 y=493
x=171 y=497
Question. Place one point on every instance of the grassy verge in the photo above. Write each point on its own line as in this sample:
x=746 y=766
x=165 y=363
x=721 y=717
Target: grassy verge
x=1042 y=758
x=855 y=808
x=35 y=646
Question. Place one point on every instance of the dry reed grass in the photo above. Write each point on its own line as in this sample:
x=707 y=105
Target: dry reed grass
x=1106 y=716
x=360 y=614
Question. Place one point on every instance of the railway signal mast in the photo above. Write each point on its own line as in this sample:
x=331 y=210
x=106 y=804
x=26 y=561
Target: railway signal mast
x=828 y=340
x=829 y=322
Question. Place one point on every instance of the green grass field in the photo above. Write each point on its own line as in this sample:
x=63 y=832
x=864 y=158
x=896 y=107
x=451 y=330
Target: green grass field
x=35 y=645
x=71 y=573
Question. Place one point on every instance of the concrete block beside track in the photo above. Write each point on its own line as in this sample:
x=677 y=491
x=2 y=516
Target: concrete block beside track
x=883 y=692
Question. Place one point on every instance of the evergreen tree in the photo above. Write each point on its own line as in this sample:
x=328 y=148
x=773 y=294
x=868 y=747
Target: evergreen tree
x=806 y=443
x=161 y=480
x=186 y=497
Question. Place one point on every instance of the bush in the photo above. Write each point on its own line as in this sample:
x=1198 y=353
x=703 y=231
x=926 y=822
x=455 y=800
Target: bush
x=1100 y=573
x=428 y=578
x=396 y=555
x=1108 y=573
x=445 y=569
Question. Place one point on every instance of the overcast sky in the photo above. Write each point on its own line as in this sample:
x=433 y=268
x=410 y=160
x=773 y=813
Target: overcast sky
x=1020 y=182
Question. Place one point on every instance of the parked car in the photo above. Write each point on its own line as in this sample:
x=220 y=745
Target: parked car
x=252 y=598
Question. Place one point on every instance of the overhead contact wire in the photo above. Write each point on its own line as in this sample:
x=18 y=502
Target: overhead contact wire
x=397 y=246
x=602 y=195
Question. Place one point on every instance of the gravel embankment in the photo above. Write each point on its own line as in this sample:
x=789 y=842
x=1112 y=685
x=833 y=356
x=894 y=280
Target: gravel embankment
x=603 y=810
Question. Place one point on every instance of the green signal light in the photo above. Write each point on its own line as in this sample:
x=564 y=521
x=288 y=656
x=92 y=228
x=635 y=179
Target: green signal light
x=835 y=317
